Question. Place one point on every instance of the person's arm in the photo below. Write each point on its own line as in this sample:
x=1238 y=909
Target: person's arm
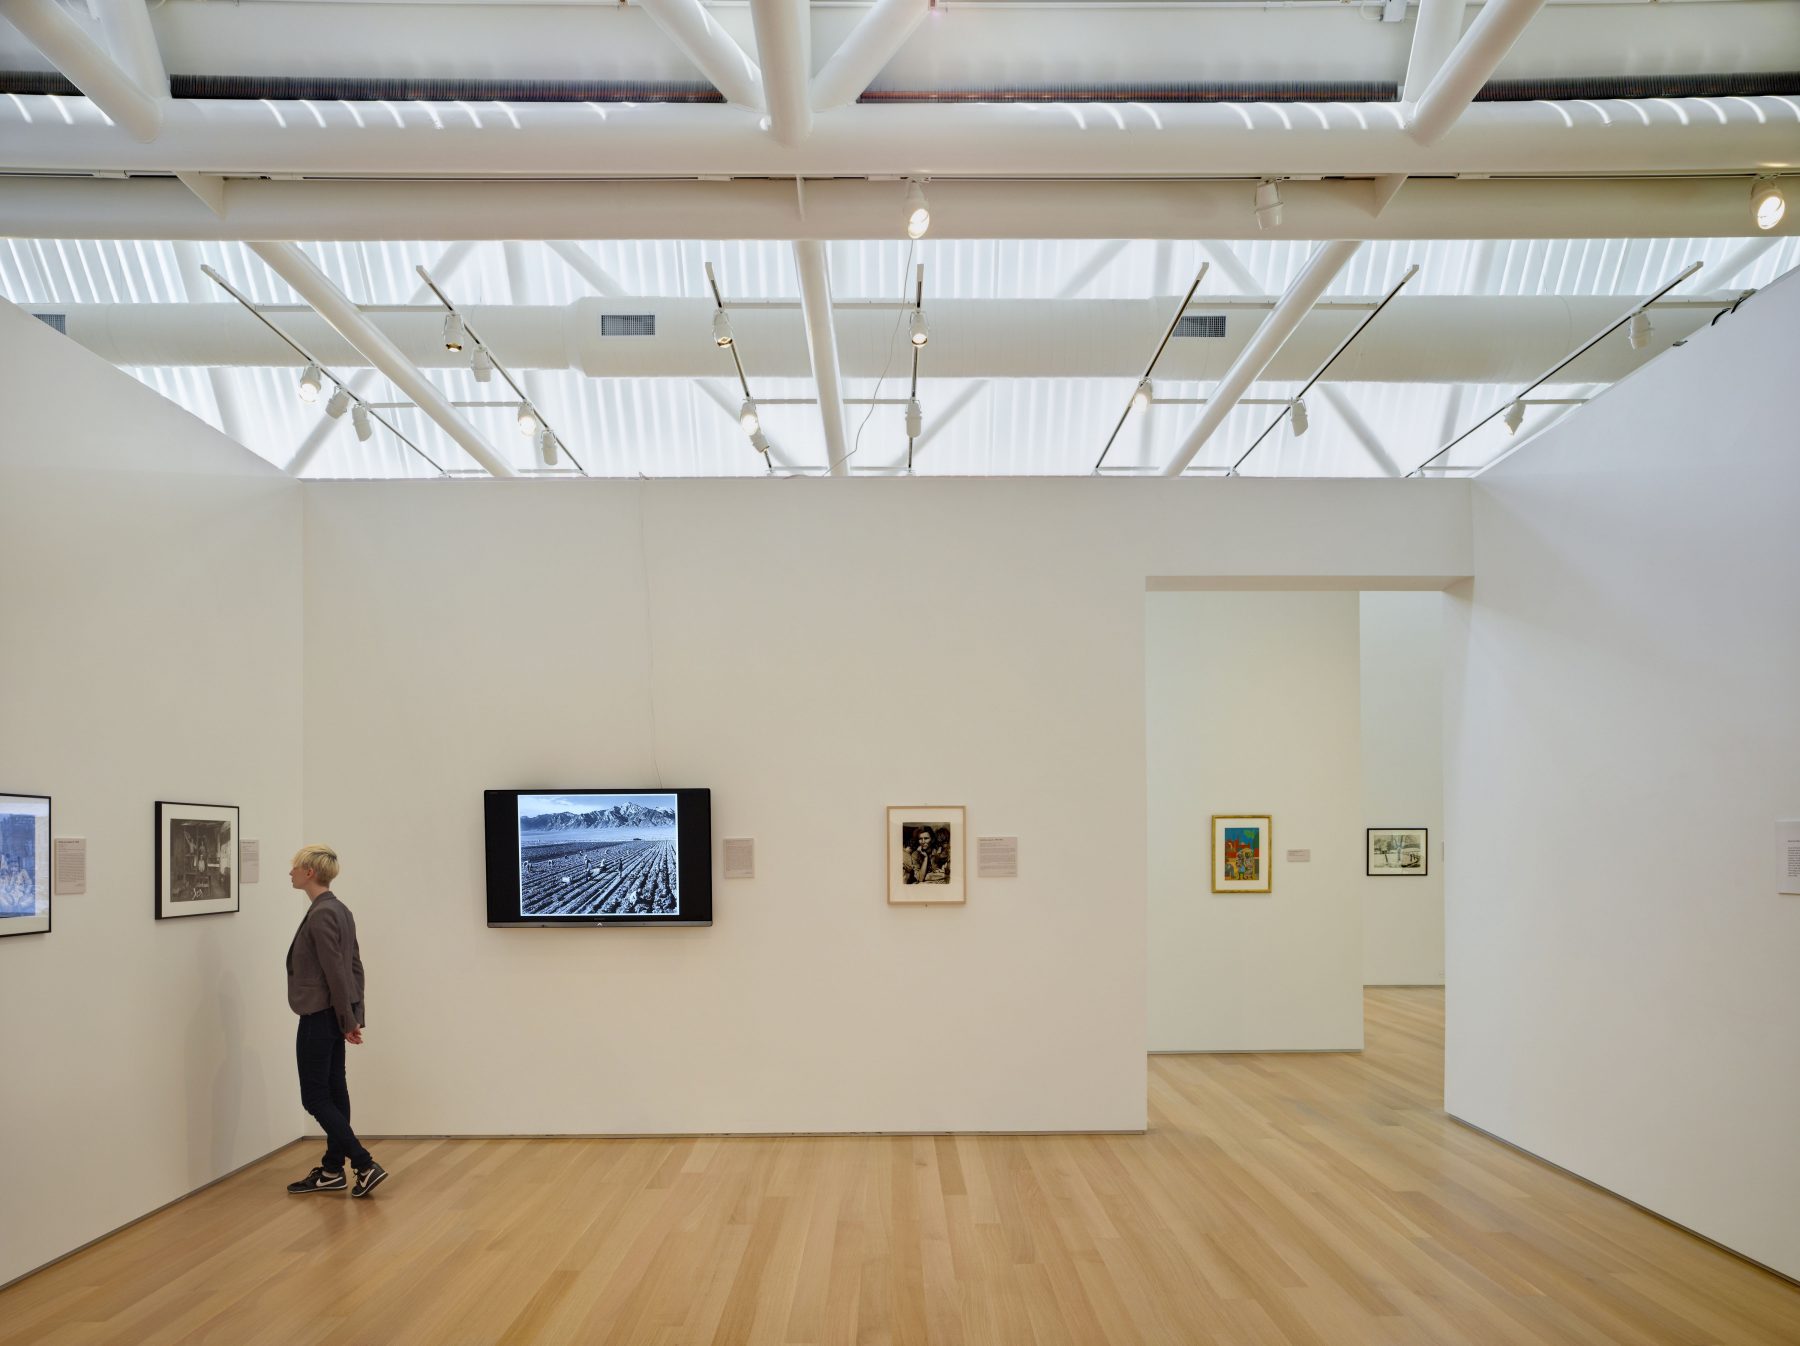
x=334 y=958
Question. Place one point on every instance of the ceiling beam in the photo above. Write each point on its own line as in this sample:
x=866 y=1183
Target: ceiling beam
x=126 y=24
x=861 y=56
x=316 y=288
x=1469 y=65
x=1360 y=429
x=1437 y=24
x=200 y=290
x=1308 y=287
x=822 y=347
x=687 y=24
x=587 y=268
x=89 y=66
x=784 y=48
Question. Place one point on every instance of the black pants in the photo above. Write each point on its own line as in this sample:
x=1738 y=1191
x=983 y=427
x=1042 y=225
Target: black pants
x=324 y=1092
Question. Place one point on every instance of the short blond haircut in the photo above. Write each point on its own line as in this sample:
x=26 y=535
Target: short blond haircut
x=322 y=860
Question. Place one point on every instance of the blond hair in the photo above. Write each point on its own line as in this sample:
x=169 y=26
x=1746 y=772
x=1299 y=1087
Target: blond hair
x=322 y=860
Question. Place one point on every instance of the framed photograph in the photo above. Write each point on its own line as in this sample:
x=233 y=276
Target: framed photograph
x=196 y=859
x=1241 y=852
x=926 y=861
x=24 y=864
x=1399 y=852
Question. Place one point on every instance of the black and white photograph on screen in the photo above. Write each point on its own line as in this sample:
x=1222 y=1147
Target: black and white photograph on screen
x=24 y=864
x=925 y=855
x=196 y=859
x=599 y=855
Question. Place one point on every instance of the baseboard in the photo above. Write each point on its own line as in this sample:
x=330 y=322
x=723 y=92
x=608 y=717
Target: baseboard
x=724 y=1135
x=1403 y=986
x=139 y=1219
x=1257 y=1051
x=1620 y=1196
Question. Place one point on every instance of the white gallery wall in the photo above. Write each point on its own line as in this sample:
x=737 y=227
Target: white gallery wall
x=1623 y=733
x=813 y=651
x=151 y=613
x=1402 y=679
x=1252 y=708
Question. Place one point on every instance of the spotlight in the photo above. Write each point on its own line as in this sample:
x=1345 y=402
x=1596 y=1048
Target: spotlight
x=1638 y=334
x=747 y=417
x=547 y=446
x=915 y=418
x=1298 y=417
x=916 y=323
x=311 y=381
x=721 y=328
x=360 y=419
x=1767 y=204
x=918 y=214
x=1268 y=204
x=453 y=331
x=759 y=441
x=1514 y=416
x=339 y=403
x=1144 y=396
x=528 y=421
x=482 y=364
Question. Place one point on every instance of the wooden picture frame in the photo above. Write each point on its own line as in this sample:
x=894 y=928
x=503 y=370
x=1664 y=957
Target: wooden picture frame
x=196 y=859
x=927 y=855
x=1402 y=857
x=26 y=856
x=1242 y=852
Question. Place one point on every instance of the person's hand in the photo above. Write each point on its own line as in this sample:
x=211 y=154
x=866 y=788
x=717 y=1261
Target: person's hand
x=354 y=1036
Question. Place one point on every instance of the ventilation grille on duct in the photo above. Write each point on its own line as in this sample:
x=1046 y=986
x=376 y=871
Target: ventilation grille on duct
x=60 y=321
x=1201 y=325
x=627 y=324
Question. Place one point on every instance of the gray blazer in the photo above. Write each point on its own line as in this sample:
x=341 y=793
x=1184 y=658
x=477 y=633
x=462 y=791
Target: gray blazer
x=323 y=966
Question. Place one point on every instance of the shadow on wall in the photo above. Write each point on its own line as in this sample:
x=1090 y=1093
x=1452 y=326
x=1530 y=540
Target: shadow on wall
x=219 y=1072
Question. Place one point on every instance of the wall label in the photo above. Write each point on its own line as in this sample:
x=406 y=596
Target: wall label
x=71 y=866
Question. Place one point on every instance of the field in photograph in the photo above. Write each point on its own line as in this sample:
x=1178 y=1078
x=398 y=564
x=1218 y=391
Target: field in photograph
x=575 y=876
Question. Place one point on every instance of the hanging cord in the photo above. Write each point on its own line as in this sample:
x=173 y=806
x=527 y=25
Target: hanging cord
x=893 y=336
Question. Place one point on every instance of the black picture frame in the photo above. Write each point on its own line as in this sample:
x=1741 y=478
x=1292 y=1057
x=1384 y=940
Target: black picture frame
x=166 y=899
x=49 y=868
x=1421 y=870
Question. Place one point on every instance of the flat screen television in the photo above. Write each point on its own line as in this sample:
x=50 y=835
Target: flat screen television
x=599 y=857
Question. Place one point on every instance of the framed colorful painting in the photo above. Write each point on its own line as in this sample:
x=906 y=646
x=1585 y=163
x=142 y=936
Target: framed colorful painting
x=1398 y=852
x=1241 y=851
x=24 y=864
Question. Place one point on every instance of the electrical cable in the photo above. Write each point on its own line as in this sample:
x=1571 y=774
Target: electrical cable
x=894 y=336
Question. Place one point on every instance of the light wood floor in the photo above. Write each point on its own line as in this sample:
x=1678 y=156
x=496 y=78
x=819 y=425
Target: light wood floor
x=1277 y=1199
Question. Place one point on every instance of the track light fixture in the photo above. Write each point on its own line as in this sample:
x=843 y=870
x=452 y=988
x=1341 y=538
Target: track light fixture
x=747 y=417
x=915 y=323
x=918 y=214
x=1638 y=333
x=312 y=379
x=1143 y=396
x=453 y=331
x=482 y=364
x=1767 y=205
x=759 y=441
x=339 y=403
x=528 y=421
x=1514 y=416
x=547 y=446
x=915 y=418
x=1268 y=204
x=359 y=418
x=721 y=328
x=1298 y=417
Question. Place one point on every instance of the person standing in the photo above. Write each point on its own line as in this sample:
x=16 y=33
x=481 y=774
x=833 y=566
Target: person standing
x=325 y=988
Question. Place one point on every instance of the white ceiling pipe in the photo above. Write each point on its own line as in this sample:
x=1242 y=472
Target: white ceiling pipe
x=1436 y=26
x=148 y=208
x=822 y=348
x=1320 y=270
x=200 y=290
x=1740 y=260
x=586 y=267
x=126 y=24
x=316 y=288
x=1469 y=66
x=716 y=52
x=861 y=56
x=91 y=68
x=1360 y=429
x=1420 y=338
x=784 y=49
x=987 y=140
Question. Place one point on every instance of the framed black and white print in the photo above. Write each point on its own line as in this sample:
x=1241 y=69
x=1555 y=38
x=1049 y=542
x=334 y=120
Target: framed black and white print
x=196 y=859
x=926 y=861
x=1399 y=852
x=24 y=864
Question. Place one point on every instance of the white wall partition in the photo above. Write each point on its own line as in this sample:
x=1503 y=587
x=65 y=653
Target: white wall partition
x=1622 y=737
x=813 y=651
x=1403 y=782
x=1252 y=708
x=152 y=643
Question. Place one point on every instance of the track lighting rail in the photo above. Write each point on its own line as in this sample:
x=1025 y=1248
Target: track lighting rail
x=1143 y=384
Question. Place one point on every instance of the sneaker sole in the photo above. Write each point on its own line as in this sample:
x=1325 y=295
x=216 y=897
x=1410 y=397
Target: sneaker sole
x=380 y=1178
x=308 y=1191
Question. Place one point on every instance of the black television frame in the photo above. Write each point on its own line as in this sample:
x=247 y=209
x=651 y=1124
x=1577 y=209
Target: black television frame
x=693 y=854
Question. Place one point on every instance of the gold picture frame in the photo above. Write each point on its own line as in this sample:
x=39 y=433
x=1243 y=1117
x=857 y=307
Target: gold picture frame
x=927 y=855
x=1242 y=863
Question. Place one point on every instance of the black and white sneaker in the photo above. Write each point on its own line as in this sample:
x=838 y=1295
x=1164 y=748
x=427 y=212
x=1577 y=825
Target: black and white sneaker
x=320 y=1180
x=367 y=1179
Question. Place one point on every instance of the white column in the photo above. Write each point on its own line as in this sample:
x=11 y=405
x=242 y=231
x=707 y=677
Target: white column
x=784 y=47
x=821 y=344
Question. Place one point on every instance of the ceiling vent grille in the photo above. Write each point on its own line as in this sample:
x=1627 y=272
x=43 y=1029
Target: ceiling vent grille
x=628 y=324
x=60 y=321
x=1200 y=325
